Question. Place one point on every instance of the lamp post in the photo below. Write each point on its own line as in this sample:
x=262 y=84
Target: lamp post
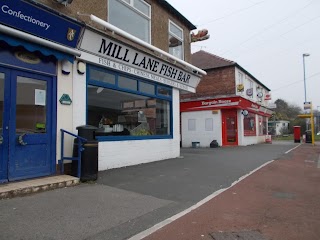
x=318 y=120
x=304 y=75
x=304 y=80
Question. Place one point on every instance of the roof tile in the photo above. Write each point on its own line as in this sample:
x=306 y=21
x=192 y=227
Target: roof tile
x=205 y=60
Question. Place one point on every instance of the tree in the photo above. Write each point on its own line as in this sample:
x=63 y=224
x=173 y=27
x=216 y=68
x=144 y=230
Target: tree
x=285 y=111
x=289 y=112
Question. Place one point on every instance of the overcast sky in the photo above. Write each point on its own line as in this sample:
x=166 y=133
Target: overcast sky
x=265 y=37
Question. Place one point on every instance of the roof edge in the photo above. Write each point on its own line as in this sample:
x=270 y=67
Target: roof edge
x=170 y=8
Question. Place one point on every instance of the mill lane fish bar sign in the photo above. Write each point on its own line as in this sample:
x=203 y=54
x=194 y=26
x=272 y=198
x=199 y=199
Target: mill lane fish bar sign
x=109 y=53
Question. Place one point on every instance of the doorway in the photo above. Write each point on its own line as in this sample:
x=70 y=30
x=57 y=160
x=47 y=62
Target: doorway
x=27 y=125
x=229 y=128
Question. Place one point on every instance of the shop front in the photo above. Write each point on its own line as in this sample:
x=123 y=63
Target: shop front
x=230 y=121
x=133 y=100
x=32 y=43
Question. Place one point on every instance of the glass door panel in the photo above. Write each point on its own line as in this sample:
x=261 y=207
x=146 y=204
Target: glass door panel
x=30 y=106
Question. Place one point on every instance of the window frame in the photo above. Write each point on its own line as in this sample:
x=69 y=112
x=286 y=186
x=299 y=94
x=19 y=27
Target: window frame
x=172 y=34
x=131 y=6
x=138 y=92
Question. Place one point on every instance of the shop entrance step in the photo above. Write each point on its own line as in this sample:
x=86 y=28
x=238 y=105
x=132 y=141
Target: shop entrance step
x=22 y=188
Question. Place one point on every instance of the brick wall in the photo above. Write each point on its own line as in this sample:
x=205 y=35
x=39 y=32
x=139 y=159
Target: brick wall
x=218 y=82
x=159 y=24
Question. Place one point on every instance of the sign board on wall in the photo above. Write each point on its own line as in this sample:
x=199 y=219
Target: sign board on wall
x=224 y=103
x=35 y=20
x=108 y=53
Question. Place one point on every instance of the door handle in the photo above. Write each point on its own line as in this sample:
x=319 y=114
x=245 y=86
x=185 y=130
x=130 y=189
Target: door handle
x=1 y=140
x=20 y=140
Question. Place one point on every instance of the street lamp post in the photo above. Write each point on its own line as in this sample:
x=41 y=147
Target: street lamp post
x=304 y=80
x=304 y=75
x=318 y=120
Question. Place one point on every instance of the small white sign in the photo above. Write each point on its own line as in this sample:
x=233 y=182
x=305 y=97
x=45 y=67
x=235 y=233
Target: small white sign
x=272 y=105
x=307 y=105
x=40 y=97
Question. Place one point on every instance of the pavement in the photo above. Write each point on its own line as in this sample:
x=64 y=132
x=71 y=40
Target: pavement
x=259 y=192
x=280 y=201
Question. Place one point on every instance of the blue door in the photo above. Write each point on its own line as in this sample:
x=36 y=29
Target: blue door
x=27 y=142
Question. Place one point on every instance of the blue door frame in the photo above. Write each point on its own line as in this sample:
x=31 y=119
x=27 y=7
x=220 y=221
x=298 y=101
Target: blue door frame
x=27 y=153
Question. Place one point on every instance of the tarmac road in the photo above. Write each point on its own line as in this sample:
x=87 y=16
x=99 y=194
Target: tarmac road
x=126 y=201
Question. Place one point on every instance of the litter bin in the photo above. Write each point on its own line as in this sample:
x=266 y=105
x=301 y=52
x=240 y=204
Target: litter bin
x=89 y=156
x=308 y=136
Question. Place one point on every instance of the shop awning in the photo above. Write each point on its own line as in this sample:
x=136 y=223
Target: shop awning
x=32 y=43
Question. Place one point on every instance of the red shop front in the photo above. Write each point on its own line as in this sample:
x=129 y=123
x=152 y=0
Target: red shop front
x=230 y=121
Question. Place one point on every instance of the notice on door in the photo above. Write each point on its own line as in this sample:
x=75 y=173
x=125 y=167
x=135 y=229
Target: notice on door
x=40 y=97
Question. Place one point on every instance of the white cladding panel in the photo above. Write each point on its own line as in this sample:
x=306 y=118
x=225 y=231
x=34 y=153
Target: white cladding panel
x=200 y=134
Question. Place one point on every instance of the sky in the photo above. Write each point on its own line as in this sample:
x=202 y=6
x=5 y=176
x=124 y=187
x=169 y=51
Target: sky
x=267 y=38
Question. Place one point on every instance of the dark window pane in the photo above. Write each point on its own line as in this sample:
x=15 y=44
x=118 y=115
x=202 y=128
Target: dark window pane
x=120 y=113
x=147 y=88
x=102 y=76
x=127 y=83
x=124 y=17
x=164 y=91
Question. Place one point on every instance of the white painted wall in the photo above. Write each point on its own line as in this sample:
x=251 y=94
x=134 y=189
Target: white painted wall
x=246 y=82
x=200 y=134
x=64 y=112
x=79 y=99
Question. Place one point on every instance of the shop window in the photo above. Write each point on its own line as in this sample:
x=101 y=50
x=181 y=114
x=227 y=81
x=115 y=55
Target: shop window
x=249 y=123
x=132 y=16
x=209 y=124
x=191 y=124
x=176 y=40
x=123 y=111
x=240 y=77
x=262 y=125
